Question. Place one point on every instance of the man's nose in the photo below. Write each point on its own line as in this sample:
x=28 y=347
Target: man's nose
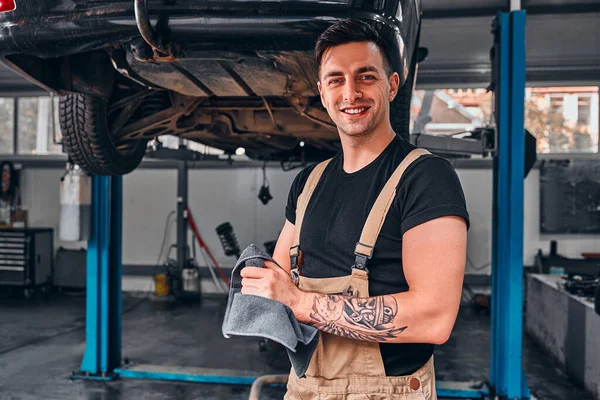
x=351 y=92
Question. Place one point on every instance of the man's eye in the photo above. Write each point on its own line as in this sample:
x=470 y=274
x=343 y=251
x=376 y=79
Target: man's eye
x=334 y=81
x=367 y=77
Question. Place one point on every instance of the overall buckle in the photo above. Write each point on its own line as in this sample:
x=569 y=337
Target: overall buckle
x=361 y=259
x=295 y=268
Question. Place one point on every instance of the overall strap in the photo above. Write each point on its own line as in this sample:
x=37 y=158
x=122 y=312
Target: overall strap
x=372 y=227
x=302 y=204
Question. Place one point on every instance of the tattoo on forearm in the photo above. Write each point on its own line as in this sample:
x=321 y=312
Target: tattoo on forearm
x=369 y=319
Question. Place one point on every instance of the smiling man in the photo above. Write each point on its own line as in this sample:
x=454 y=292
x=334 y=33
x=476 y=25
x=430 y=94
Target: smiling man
x=374 y=245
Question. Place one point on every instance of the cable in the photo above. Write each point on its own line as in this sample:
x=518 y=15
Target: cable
x=166 y=233
x=216 y=281
x=219 y=284
x=193 y=227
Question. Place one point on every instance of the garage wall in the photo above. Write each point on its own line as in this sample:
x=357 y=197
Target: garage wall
x=219 y=195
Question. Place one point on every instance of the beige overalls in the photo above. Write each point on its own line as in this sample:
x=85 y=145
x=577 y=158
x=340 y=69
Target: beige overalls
x=343 y=368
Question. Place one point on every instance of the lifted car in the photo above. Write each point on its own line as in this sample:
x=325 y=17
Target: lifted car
x=226 y=74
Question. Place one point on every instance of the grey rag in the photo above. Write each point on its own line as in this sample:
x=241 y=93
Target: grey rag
x=249 y=315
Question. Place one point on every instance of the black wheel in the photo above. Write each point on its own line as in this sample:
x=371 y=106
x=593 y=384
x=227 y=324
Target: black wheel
x=88 y=141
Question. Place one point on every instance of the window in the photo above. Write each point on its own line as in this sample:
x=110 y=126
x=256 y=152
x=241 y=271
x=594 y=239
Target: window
x=172 y=142
x=584 y=110
x=563 y=119
x=7 y=110
x=449 y=112
x=35 y=126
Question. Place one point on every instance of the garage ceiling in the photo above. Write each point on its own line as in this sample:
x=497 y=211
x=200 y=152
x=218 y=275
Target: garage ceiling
x=561 y=49
x=563 y=44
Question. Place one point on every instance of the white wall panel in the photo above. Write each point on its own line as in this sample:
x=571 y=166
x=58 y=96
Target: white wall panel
x=220 y=195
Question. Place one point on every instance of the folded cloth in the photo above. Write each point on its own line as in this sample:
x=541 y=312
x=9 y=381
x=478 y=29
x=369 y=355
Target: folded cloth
x=249 y=315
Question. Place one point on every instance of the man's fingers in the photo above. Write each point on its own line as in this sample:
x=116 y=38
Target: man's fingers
x=251 y=282
x=253 y=272
x=257 y=291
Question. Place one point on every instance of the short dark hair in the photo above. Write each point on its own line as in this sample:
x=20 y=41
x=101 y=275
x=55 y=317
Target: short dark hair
x=349 y=31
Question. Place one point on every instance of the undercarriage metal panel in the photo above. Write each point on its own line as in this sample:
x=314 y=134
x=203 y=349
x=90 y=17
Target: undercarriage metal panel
x=233 y=74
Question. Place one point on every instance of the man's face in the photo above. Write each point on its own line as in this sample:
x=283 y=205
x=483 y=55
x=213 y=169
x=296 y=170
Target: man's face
x=355 y=89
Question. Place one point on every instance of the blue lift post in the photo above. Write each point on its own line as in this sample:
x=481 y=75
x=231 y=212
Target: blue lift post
x=103 y=283
x=506 y=371
x=103 y=319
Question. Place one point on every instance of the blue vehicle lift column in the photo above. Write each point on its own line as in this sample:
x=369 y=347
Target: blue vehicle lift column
x=103 y=283
x=506 y=371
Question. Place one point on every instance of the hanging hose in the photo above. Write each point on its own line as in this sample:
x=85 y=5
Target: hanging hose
x=218 y=283
x=194 y=228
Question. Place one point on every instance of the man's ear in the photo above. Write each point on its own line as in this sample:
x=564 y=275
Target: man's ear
x=394 y=85
x=321 y=93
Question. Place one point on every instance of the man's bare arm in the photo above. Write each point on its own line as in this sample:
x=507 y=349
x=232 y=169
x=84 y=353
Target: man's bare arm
x=281 y=254
x=370 y=319
x=434 y=256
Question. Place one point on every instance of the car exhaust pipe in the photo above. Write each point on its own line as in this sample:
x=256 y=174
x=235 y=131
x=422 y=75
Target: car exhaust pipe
x=142 y=19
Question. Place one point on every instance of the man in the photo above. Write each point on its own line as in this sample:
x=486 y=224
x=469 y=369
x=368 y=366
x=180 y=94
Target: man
x=380 y=317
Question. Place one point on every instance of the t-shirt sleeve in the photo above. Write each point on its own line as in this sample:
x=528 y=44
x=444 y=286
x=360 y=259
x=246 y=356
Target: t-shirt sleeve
x=295 y=191
x=430 y=189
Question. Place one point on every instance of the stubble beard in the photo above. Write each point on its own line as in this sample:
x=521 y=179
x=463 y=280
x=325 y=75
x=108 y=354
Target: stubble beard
x=358 y=136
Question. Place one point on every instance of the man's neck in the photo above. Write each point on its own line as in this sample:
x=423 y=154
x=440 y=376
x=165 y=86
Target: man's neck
x=361 y=151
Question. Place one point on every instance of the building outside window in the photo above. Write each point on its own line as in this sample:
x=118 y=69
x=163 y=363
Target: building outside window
x=39 y=133
x=563 y=119
x=7 y=109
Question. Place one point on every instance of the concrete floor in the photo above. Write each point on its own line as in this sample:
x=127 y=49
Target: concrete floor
x=42 y=341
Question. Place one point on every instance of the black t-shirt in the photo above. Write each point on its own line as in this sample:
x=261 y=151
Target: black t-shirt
x=337 y=212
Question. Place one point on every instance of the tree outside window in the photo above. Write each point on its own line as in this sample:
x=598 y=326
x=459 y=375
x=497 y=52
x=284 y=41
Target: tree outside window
x=563 y=119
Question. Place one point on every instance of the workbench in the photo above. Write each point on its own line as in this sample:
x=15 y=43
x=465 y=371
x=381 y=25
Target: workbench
x=567 y=326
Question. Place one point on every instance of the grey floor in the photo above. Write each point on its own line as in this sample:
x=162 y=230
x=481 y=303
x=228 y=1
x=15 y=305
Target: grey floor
x=43 y=340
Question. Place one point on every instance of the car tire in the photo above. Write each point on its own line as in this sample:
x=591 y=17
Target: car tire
x=87 y=138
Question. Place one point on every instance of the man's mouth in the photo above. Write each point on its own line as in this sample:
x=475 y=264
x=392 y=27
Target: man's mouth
x=355 y=110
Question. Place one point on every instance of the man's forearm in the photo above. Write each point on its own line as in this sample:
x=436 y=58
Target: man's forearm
x=396 y=318
x=373 y=319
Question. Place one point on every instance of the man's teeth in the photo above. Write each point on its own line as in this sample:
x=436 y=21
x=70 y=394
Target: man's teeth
x=354 y=110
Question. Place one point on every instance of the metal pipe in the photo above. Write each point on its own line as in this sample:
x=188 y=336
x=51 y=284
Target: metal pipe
x=258 y=384
x=142 y=18
x=182 y=200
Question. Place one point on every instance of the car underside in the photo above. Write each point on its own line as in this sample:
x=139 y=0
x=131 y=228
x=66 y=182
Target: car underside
x=225 y=74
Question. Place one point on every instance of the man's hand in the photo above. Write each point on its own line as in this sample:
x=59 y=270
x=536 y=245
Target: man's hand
x=274 y=283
